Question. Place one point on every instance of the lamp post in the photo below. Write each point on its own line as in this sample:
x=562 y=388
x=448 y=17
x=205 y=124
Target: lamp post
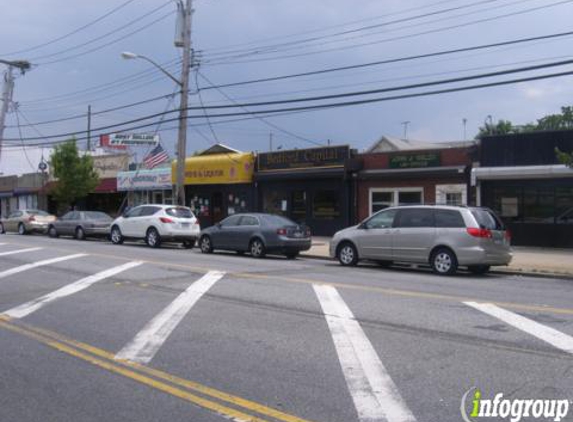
x=185 y=12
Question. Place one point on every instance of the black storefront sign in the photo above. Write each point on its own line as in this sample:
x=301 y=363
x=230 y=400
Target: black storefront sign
x=431 y=159
x=304 y=158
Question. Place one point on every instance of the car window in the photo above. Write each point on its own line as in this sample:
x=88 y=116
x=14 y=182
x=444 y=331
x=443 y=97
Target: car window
x=277 y=220
x=415 y=217
x=136 y=212
x=487 y=219
x=97 y=215
x=179 y=212
x=67 y=216
x=448 y=218
x=231 y=221
x=249 y=220
x=382 y=220
x=15 y=214
x=147 y=211
x=38 y=212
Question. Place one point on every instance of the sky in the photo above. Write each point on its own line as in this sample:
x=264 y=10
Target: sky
x=75 y=52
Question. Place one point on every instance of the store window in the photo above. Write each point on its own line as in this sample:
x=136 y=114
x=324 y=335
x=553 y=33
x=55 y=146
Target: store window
x=326 y=205
x=276 y=202
x=454 y=194
x=564 y=205
x=200 y=205
x=299 y=205
x=237 y=203
x=538 y=205
x=389 y=197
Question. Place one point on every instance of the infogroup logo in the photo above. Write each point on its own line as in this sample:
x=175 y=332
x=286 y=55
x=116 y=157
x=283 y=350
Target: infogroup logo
x=513 y=410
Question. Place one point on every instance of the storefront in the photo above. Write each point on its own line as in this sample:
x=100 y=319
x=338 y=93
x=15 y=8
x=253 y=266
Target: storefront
x=146 y=186
x=520 y=178
x=437 y=176
x=309 y=186
x=22 y=192
x=105 y=197
x=218 y=183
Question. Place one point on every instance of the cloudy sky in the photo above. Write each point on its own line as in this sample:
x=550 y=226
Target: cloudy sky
x=76 y=50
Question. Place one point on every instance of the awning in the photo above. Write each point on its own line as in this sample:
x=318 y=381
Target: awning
x=217 y=169
x=411 y=172
x=521 y=172
x=291 y=174
x=106 y=186
x=6 y=194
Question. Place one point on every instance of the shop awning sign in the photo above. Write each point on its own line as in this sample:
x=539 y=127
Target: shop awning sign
x=403 y=161
x=123 y=140
x=304 y=158
x=156 y=179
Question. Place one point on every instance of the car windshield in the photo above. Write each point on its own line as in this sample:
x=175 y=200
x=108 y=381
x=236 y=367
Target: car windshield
x=38 y=212
x=97 y=215
x=277 y=220
x=179 y=212
x=487 y=219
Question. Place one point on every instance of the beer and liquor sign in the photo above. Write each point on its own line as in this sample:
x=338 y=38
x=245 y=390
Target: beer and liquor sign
x=430 y=159
x=303 y=158
x=124 y=140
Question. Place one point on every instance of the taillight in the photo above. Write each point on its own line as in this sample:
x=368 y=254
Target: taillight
x=281 y=232
x=508 y=235
x=483 y=233
x=165 y=220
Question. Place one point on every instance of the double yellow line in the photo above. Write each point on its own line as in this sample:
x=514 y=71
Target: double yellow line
x=227 y=405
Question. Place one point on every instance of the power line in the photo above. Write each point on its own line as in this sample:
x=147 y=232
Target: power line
x=75 y=31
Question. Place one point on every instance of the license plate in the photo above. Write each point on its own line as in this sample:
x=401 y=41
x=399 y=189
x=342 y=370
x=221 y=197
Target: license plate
x=185 y=225
x=298 y=234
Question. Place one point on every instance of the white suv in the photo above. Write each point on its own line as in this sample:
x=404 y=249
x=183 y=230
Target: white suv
x=156 y=223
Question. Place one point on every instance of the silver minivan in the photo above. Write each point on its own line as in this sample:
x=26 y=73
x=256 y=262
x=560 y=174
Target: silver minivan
x=445 y=237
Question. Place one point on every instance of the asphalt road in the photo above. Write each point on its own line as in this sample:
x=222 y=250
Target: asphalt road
x=90 y=331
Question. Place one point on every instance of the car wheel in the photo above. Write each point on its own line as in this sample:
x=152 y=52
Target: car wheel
x=257 y=248
x=152 y=237
x=444 y=262
x=2 y=231
x=206 y=245
x=347 y=254
x=80 y=234
x=52 y=232
x=21 y=229
x=189 y=244
x=292 y=255
x=478 y=269
x=116 y=236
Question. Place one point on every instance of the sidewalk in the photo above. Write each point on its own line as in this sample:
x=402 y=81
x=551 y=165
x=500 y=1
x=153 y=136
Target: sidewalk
x=526 y=260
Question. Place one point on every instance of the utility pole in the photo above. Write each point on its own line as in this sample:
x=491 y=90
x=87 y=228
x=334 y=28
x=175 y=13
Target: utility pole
x=465 y=123
x=270 y=141
x=7 y=91
x=186 y=10
x=405 y=124
x=89 y=127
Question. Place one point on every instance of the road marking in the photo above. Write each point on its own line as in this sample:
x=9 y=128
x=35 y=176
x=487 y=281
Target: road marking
x=148 y=341
x=18 y=251
x=151 y=377
x=549 y=335
x=39 y=264
x=27 y=308
x=375 y=395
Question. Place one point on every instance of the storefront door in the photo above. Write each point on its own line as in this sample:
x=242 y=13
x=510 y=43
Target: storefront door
x=217 y=207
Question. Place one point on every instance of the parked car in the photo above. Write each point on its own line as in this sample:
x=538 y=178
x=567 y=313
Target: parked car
x=26 y=221
x=446 y=237
x=155 y=224
x=257 y=234
x=81 y=224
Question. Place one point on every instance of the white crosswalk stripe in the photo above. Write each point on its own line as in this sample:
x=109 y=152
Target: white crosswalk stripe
x=32 y=306
x=149 y=340
x=17 y=251
x=549 y=335
x=37 y=264
x=375 y=395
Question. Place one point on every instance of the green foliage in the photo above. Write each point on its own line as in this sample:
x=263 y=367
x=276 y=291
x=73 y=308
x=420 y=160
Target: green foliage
x=502 y=127
x=76 y=175
x=565 y=158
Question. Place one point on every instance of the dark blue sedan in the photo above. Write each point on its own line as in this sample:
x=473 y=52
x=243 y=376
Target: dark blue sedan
x=257 y=234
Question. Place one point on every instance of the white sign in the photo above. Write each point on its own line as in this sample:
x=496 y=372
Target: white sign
x=156 y=179
x=132 y=139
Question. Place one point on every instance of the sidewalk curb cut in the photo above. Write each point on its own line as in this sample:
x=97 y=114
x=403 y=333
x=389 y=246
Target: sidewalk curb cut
x=517 y=272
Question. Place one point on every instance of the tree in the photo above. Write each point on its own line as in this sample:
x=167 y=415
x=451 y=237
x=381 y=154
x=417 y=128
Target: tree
x=76 y=175
x=502 y=127
x=565 y=158
x=561 y=121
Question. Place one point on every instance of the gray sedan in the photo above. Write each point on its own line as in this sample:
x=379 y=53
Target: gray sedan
x=81 y=224
x=257 y=234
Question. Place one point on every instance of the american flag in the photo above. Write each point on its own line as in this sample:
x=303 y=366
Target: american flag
x=157 y=156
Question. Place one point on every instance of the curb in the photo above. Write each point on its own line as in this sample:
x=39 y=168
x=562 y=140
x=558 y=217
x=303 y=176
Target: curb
x=517 y=271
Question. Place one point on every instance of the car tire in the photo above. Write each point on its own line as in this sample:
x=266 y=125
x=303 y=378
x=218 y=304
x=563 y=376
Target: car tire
x=115 y=236
x=189 y=244
x=52 y=232
x=2 y=231
x=21 y=229
x=152 y=237
x=293 y=255
x=347 y=254
x=205 y=244
x=478 y=269
x=257 y=248
x=444 y=262
x=80 y=233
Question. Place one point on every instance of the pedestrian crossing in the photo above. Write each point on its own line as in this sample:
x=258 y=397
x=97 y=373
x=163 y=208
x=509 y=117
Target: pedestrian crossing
x=362 y=364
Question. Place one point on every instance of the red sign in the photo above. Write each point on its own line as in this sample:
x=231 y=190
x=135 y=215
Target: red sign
x=104 y=143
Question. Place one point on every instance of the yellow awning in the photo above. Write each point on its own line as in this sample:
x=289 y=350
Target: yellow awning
x=217 y=169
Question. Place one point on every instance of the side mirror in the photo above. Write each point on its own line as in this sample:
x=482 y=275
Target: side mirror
x=363 y=226
x=218 y=225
